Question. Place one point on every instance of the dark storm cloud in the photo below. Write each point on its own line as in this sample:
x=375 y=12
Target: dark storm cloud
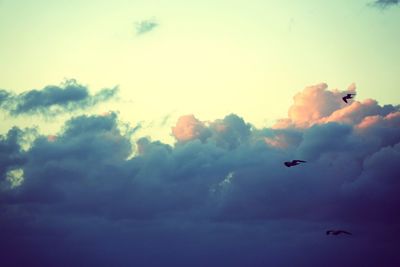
x=52 y=99
x=11 y=154
x=385 y=3
x=220 y=196
x=145 y=26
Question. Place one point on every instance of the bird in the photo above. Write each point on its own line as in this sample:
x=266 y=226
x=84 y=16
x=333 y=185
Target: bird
x=337 y=232
x=348 y=96
x=293 y=162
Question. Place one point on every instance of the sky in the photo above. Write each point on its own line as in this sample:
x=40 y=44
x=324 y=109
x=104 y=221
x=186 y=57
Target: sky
x=153 y=133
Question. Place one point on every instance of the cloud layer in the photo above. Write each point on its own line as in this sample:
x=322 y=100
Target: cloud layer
x=386 y=3
x=220 y=196
x=52 y=100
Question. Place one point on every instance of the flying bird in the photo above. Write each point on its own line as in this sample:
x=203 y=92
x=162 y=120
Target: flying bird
x=347 y=97
x=293 y=162
x=337 y=232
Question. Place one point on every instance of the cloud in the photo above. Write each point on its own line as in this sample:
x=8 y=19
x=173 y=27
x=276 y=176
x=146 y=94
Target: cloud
x=52 y=100
x=228 y=132
x=220 y=196
x=11 y=153
x=145 y=26
x=313 y=104
x=385 y=3
x=15 y=177
x=3 y=96
x=189 y=128
x=317 y=105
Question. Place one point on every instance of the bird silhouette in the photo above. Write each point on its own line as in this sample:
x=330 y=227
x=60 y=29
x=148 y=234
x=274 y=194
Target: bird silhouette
x=348 y=96
x=337 y=232
x=293 y=162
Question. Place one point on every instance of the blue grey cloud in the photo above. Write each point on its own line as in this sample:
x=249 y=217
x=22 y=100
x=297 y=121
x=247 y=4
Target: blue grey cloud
x=52 y=100
x=11 y=154
x=221 y=199
x=385 y=3
x=145 y=26
x=3 y=96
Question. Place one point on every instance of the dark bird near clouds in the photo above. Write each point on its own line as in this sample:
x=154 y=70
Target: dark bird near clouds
x=347 y=97
x=293 y=162
x=337 y=232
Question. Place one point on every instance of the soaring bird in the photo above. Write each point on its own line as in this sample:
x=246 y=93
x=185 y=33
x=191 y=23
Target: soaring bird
x=337 y=232
x=348 y=96
x=293 y=162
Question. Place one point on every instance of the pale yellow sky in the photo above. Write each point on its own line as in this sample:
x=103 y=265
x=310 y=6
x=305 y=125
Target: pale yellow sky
x=208 y=58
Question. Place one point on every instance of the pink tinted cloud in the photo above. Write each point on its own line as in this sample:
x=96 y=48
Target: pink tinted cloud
x=51 y=138
x=283 y=124
x=354 y=113
x=314 y=105
x=278 y=141
x=219 y=126
x=105 y=114
x=390 y=120
x=188 y=128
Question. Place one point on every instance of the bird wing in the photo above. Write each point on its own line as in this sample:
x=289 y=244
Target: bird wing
x=344 y=99
x=298 y=160
x=345 y=232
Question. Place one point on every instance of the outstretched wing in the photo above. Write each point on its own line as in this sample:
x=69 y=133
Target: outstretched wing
x=345 y=232
x=298 y=160
x=344 y=99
